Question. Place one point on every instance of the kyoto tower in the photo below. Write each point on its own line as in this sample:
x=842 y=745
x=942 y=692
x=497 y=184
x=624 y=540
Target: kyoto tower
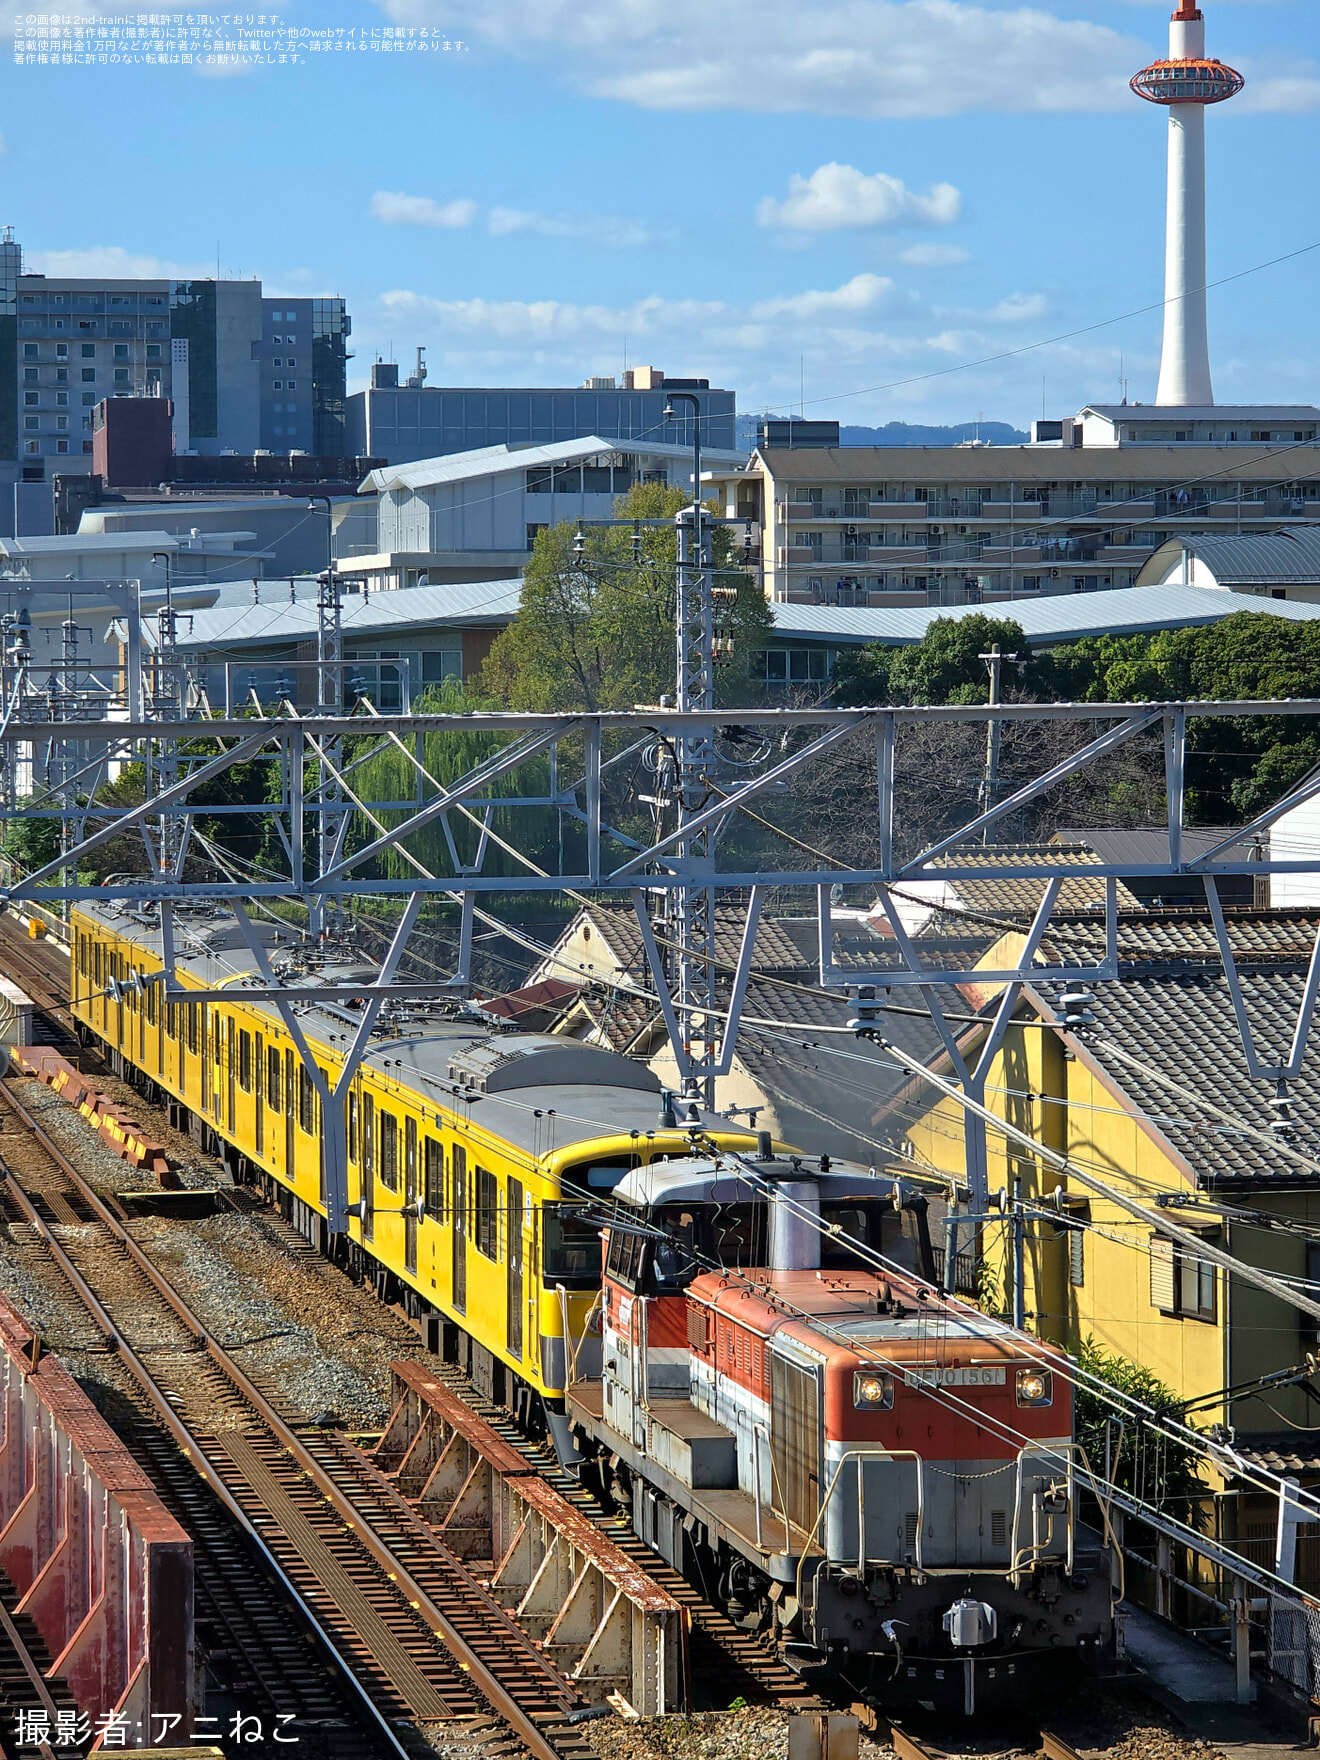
x=1186 y=83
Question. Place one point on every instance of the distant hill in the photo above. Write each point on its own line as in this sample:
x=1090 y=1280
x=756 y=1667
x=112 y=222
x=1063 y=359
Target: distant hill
x=908 y=434
x=912 y=434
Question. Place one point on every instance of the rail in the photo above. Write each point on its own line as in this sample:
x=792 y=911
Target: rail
x=486 y=1682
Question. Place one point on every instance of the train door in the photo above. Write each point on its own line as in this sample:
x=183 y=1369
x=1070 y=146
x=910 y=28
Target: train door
x=369 y=1166
x=515 y=1261
x=410 y=1194
x=205 y=1043
x=795 y=1438
x=290 y=1093
x=259 y=1098
x=458 y=1160
x=231 y=1071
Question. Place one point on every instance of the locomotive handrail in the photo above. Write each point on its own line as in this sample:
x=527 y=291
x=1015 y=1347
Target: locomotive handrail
x=1053 y=1452
x=572 y=1346
x=860 y=1455
x=758 y=1431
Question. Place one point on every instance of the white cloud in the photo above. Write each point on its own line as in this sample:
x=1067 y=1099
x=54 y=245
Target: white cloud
x=933 y=256
x=837 y=196
x=111 y=262
x=1018 y=308
x=894 y=58
x=1293 y=92
x=395 y=208
x=600 y=228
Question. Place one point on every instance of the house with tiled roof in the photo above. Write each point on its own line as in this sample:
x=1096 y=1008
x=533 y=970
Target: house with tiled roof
x=1152 y=1095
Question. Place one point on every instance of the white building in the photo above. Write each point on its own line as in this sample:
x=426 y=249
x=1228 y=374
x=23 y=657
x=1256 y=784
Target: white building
x=1268 y=565
x=475 y=515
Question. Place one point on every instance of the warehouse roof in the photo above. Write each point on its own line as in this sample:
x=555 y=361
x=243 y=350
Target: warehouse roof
x=454 y=605
x=487 y=461
x=1285 y=558
x=1056 y=617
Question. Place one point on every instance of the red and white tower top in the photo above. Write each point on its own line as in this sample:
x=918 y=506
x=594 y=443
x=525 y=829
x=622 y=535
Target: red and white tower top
x=1185 y=84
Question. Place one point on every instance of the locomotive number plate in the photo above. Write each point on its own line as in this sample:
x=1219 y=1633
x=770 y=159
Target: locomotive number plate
x=954 y=1377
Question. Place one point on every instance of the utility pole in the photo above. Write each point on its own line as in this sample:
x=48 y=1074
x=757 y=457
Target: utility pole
x=1019 y=1259
x=990 y=787
x=694 y=915
x=331 y=819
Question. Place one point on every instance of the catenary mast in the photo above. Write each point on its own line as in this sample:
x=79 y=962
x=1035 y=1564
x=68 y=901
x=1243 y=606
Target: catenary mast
x=1186 y=83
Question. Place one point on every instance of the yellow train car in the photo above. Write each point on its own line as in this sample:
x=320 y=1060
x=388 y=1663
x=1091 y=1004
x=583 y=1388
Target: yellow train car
x=470 y=1150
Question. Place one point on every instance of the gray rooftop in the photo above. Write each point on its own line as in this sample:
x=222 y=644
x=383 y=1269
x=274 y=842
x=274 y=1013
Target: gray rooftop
x=1258 y=559
x=489 y=461
x=1057 y=617
x=1204 y=412
x=454 y=605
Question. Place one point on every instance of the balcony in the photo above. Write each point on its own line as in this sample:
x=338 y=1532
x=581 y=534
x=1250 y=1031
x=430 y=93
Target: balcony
x=1018 y=556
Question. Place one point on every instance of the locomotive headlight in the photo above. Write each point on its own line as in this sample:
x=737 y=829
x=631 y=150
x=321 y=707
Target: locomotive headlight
x=871 y=1392
x=1035 y=1387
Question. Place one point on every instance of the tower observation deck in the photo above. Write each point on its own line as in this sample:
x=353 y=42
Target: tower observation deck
x=1185 y=83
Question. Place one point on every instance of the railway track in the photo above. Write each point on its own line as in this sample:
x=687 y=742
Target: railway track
x=908 y=1746
x=407 y=1634
x=41 y=968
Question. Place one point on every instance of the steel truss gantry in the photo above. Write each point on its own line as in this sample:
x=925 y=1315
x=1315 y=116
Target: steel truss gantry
x=316 y=786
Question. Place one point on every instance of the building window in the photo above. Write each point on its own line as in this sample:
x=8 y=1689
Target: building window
x=89 y=375
x=31 y=398
x=121 y=375
x=437 y=667
x=61 y=400
x=292 y=361
x=1181 y=1282
x=292 y=384
x=153 y=351
x=87 y=445
x=31 y=376
x=62 y=376
x=389 y=1151
x=61 y=446
x=30 y=422
x=279 y=385
x=61 y=351
x=89 y=351
x=488 y=1214
x=121 y=351
x=32 y=445
x=30 y=351
x=532 y=530
x=62 y=422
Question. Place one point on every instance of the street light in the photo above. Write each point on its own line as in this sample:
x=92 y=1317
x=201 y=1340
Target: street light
x=329 y=525
x=695 y=401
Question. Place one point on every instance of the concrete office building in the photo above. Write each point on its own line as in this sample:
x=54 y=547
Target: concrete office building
x=217 y=349
x=404 y=423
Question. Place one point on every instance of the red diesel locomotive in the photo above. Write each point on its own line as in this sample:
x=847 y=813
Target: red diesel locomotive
x=880 y=1473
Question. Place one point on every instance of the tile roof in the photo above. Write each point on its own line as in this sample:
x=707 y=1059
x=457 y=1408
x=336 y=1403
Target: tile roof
x=1019 y=895
x=1170 y=1009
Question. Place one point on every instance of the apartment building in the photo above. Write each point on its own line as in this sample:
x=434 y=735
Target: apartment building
x=1082 y=508
x=244 y=373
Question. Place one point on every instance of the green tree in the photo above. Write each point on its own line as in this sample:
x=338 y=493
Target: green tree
x=1142 y=1457
x=595 y=629
x=945 y=666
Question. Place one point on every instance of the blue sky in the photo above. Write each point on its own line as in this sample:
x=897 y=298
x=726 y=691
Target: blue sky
x=787 y=196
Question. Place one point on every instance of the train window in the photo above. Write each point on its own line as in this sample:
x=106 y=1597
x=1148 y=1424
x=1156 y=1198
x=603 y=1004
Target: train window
x=623 y=1259
x=98 y=964
x=674 y=1262
x=458 y=1168
x=389 y=1151
x=861 y=1224
x=245 y=1060
x=435 y=1178
x=194 y=1014
x=368 y=1137
x=570 y=1249
x=488 y=1214
x=306 y=1102
x=153 y=1004
x=600 y=1176
x=352 y=1127
x=737 y=1233
x=82 y=955
x=273 y=1077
